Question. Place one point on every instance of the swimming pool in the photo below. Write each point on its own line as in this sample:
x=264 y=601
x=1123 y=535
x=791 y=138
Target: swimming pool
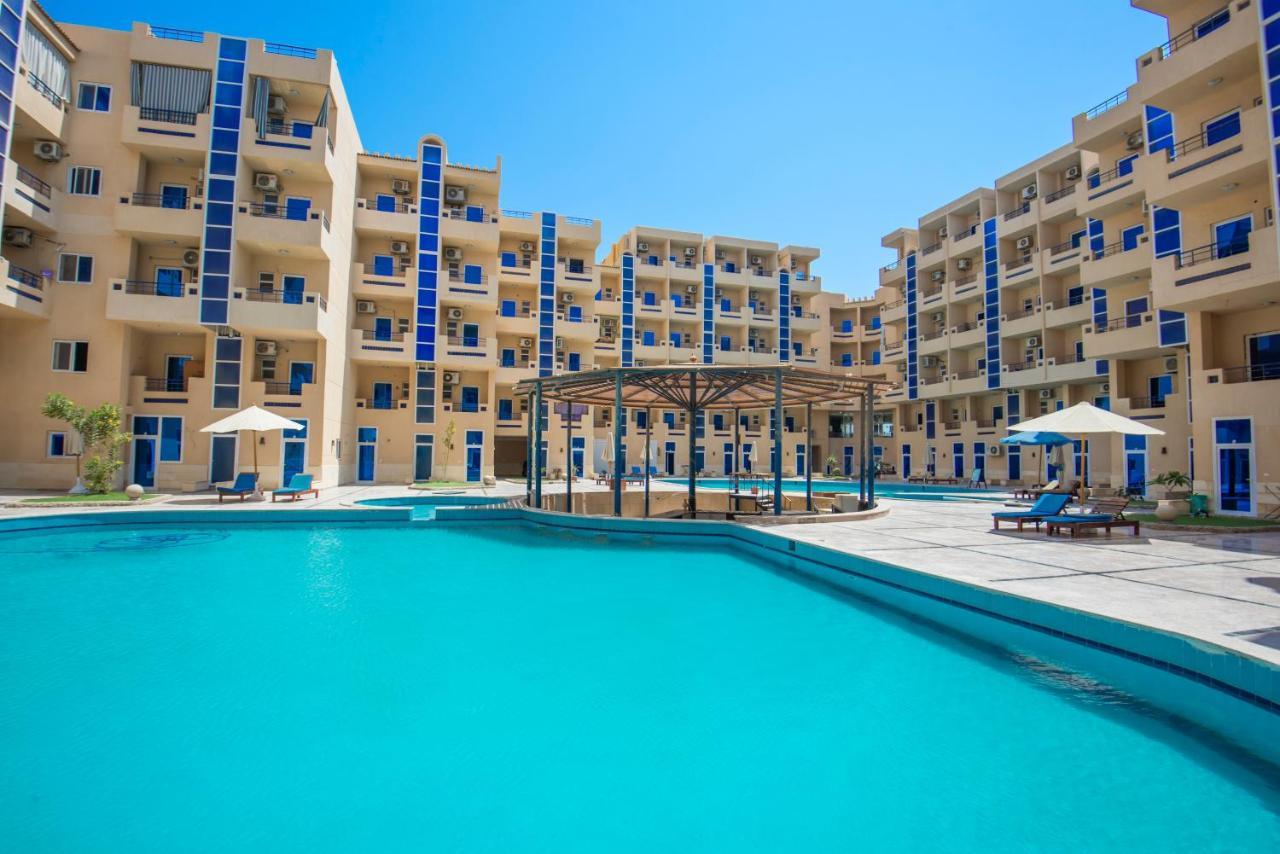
x=424 y=506
x=516 y=687
x=884 y=489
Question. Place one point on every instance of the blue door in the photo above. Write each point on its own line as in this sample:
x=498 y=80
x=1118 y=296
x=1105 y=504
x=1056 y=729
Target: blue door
x=470 y=335
x=475 y=455
x=384 y=265
x=296 y=208
x=1133 y=311
x=295 y=451
x=423 y=445
x=957 y=460
x=1233 y=438
x=382 y=395
x=1232 y=237
x=169 y=281
x=980 y=459
x=145 y=430
x=669 y=459
x=385 y=203
x=172 y=196
x=1264 y=356
x=728 y=458
x=366 y=453
x=906 y=461
x=800 y=460
x=293 y=288
x=175 y=373
x=382 y=329
x=300 y=374
x=746 y=457
x=579 y=453
x=470 y=399
x=850 y=463
x=1015 y=463
x=1135 y=464
x=222 y=459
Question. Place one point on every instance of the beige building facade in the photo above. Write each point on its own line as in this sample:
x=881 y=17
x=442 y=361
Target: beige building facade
x=191 y=226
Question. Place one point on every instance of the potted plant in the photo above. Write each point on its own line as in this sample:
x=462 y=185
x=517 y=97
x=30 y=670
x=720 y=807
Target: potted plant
x=1176 y=487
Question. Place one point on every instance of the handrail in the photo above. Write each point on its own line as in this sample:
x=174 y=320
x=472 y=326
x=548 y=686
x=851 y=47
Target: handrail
x=372 y=335
x=164 y=383
x=399 y=206
x=1199 y=141
x=1129 y=321
x=175 y=290
x=466 y=341
x=274 y=388
x=1146 y=403
x=173 y=117
x=1018 y=211
x=965 y=327
x=463 y=213
x=966 y=375
x=1193 y=33
x=579 y=220
x=965 y=280
x=456 y=276
x=1212 y=252
x=1110 y=103
x=1111 y=249
x=931 y=248
x=965 y=232
x=156 y=200
x=26 y=277
x=1060 y=194
x=176 y=34
x=1250 y=373
x=289 y=50
x=30 y=180
x=516 y=214
x=890 y=267
x=1064 y=246
x=1020 y=366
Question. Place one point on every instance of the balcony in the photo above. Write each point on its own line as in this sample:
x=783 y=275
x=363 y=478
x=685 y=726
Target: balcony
x=275 y=230
x=933 y=344
x=1061 y=258
x=304 y=149
x=685 y=272
x=1020 y=323
x=650 y=267
x=30 y=202
x=1224 y=41
x=1015 y=220
x=154 y=304
x=1197 y=168
x=471 y=225
x=1022 y=374
x=396 y=219
x=1068 y=314
x=39 y=109
x=1117 y=263
x=162 y=392
x=579 y=277
x=895 y=353
x=517 y=322
x=1219 y=277
x=1069 y=369
x=805 y=321
x=1020 y=271
x=465 y=351
x=1241 y=374
x=966 y=239
x=964 y=289
x=279 y=313
x=1059 y=204
x=468 y=288
x=1131 y=337
x=803 y=283
x=893 y=312
x=652 y=310
x=148 y=216
x=972 y=381
x=293 y=399
x=366 y=284
x=1116 y=116
x=393 y=349
x=163 y=133
x=930 y=296
x=966 y=335
x=1117 y=188
x=894 y=273
x=23 y=295
x=728 y=274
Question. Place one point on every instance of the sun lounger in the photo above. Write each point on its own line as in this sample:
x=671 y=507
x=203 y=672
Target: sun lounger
x=1046 y=506
x=1037 y=490
x=246 y=484
x=1104 y=514
x=977 y=479
x=299 y=485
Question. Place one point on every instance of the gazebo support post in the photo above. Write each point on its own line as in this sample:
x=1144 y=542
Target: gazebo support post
x=808 y=452
x=871 y=446
x=648 y=446
x=737 y=448
x=528 y=447
x=693 y=443
x=536 y=459
x=777 y=443
x=862 y=456
x=617 y=444
x=568 y=453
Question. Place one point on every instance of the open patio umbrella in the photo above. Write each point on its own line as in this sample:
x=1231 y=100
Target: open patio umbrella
x=1084 y=420
x=253 y=420
x=1048 y=441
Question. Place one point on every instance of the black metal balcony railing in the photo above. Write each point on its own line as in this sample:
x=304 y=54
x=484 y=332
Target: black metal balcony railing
x=285 y=297
x=965 y=280
x=972 y=373
x=931 y=248
x=155 y=200
x=987 y=423
x=398 y=206
x=1251 y=373
x=1146 y=403
x=289 y=50
x=895 y=304
x=1129 y=321
x=925 y=293
x=1226 y=129
x=1018 y=211
x=965 y=232
x=517 y=263
x=28 y=179
x=1195 y=32
x=1065 y=246
x=45 y=91
x=374 y=335
x=950 y=425
x=26 y=277
x=155 y=289
x=1213 y=252
x=1111 y=103
x=1014 y=367
x=965 y=327
x=176 y=34
x=173 y=117
x=283 y=388
x=933 y=336
x=164 y=384
x=466 y=341
x=1019 y=313
x=888 y=268
x=1019 y=262
x=461 y=278
x=1097 y=179
x=1111 y=249
x=1060 y=194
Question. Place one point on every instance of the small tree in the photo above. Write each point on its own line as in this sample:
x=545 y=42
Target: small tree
x=832 y=462
x=99 y=436
x=446 y=442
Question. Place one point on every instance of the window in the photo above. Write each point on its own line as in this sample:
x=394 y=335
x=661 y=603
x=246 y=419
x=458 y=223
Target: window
x=84 y=181
x=71 y=356
x=1159 y=387
x=1222 y=127
x=94 y=97
x=1075 y=295
x=57 y=444
x=1129 y=237
x=76 y=269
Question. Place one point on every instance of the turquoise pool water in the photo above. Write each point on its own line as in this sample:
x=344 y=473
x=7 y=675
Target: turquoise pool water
x=294 y=686
x=424 y=506
x=885 y=489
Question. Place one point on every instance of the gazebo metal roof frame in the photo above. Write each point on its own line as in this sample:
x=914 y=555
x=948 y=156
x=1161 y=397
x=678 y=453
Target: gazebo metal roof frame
x=694 y=389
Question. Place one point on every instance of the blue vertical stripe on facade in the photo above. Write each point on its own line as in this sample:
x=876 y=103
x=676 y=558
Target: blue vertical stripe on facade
x=426 y=305
x=11 y=38
x=1166 y=237
x=913 y=328
x=628 y=309
x=1159 y=130
x=708 y=313
x=1269 y=15
x=222 y=168
x=547 y=297
x=991 y=304
x=784 y=316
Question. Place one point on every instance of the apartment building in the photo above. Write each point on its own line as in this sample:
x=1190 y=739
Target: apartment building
x=1135 y=268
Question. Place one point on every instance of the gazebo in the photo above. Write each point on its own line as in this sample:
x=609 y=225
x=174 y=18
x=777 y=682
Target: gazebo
x=695 y=389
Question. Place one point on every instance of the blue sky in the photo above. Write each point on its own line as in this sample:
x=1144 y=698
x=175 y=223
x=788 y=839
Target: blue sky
x=822 y=123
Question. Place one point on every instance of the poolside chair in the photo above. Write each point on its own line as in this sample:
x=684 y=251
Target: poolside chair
x=1048 y=505
x=246 y=484
x=1104 y=514
x=977 y=479
x=1037 y=490
x=299 y=485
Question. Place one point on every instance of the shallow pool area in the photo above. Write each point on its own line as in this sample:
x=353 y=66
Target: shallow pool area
x=424 y=506
x=884 y=489
x=517 y=687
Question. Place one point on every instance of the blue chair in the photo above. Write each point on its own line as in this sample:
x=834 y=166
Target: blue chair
x=1047 y=505
x=299 y=485
x=245 y=485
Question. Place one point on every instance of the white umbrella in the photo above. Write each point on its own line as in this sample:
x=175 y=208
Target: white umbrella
x=1084 y=420
x=254 y=420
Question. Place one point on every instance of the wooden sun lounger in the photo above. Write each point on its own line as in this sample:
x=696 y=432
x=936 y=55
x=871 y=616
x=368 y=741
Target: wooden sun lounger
x=1104 y=514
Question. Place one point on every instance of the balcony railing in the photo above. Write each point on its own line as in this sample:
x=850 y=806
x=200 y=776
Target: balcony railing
x=461 y=278
x=173 y=117
x=156 y=200
x=26 y=277
x=397 y=206
x=972 y=373
x=517 y=214
x=470 y=213
x=965 y=280
x=1213 y=252
x=1021 y=366
x=1129 y=321
x=1195 y=32
x=1097 y=179
x=164 y=383
x=986 y=423
x=1019 y=313
x=1018 y=211
x=1064 y=246
x=888 y=268
x=1251 y=373
x=374 y=335
x=934 y=336
x=177 y=35
x=45 y=91
x=283 y=388
x=1109 y=104
x=972 y=324
x=1060 y=194
x=155 y=289
x=466 y=341
x=1112 y=249
x=1019 y=262
x=931 y=248
x=895 y=304
x=289 y=50
x=28 y=179
x=965 y=232
x=285 y=297
x=1146 y=403
x=1225 y=130
x=279 y=211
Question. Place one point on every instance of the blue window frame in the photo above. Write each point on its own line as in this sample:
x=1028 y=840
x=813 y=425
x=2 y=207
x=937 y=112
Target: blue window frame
x=1159 y=387
x=1223 y=127
x=508 y=259
x=1129 y=237
x=504 y=409
x=1231 y=237
x=94 y=98
x=57 y=444
x=1264 y=356
x=384 y=265
x=508 y=357
x=381 y=396
x=1075 y=295
x=470 y=400
x=386 y=202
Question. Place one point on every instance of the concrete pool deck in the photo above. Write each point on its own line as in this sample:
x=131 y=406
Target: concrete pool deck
x=1223 y=588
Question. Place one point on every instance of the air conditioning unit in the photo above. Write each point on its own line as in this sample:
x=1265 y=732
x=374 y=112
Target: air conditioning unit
x=690 y=289
x=690 y=251
x=452 y=253
x=191 y=257
x=642 y=246
x=756 y=260
x=276 y=105
x=458 y=195
x=1029 y=192
x=401 y=186
x=753 y=295
x=1024 y=242
x=265 y=348
x=1106 y=387
x=1073 y=173
x=399 y=247
x=1033 y=341
x=17 y=236
x=402 y=325
x=995 y=450
x=559 y=343
x=937 y=276
x=450 y=377
x=1046 y=394
x=938 y=316
x=1171 y=364
x=566 y=297
x=963 y=264
x=527 y=246
x=268 y=181
x=929 y=361
x=1135 y=140
x=455 y=314
x=48 y=149
x=366 y=306
x=526 y=342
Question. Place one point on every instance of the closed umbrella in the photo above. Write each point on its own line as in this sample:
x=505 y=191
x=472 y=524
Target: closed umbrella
x=1084 y=420
x=253 y=420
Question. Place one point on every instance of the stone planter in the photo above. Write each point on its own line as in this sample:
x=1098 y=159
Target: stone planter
x=1168 y=509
